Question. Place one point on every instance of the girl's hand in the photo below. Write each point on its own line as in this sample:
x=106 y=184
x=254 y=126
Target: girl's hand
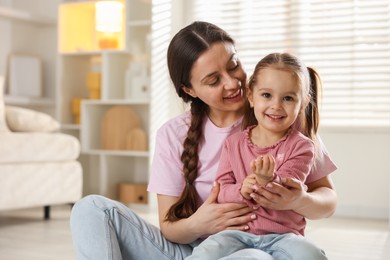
x=263 y=167
x=248 y=186
x=288 y=196
x=212 y=217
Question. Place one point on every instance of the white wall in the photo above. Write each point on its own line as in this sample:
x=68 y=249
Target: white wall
x=362 y=179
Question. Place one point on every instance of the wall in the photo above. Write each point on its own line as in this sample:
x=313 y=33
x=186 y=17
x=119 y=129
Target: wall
x=362 y=179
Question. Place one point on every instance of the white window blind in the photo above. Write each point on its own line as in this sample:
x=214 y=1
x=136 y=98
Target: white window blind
x=347 y=41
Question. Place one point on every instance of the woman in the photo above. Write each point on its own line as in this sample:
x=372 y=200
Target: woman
x=207 y=73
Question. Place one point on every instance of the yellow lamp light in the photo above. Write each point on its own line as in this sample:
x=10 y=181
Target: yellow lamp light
x=108 y=20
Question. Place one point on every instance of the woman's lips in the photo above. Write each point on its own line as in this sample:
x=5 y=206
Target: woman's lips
x=235 y=97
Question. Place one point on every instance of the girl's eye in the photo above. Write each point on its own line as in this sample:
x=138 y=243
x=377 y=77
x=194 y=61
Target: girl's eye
x=266 y=95
x=288 y=98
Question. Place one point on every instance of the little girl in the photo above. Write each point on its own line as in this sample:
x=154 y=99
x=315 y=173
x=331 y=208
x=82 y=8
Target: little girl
x=282 y=104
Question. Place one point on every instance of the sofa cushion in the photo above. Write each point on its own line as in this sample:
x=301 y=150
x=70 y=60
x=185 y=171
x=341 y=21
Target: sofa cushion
x=3 y=125
x=26 y=120
x=37 y=184
x=38 y=147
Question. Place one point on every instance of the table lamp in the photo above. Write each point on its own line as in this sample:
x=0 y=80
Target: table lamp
x=108 y=20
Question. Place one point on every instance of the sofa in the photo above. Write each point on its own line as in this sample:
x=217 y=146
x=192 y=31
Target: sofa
x=38 y=165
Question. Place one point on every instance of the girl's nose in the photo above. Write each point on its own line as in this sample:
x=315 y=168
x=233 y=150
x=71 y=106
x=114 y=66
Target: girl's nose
x=276 y=104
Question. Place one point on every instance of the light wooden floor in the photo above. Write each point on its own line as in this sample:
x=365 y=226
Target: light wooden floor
x=24 y=235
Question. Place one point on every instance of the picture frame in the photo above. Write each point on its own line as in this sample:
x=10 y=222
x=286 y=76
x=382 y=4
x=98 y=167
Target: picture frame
x=25 y=75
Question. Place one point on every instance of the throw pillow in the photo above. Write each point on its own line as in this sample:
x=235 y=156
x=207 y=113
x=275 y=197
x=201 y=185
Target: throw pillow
x=27 y=120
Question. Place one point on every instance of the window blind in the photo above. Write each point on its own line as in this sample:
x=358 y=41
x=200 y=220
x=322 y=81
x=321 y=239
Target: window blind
x=346 y=41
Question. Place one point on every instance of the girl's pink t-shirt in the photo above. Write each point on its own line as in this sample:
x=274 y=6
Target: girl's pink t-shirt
x=167 y=175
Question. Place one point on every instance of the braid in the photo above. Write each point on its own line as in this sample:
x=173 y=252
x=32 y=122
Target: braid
x=183 y=51
x=187 y=203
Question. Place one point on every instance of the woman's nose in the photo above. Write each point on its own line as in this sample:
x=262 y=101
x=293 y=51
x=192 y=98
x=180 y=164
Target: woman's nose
x=231 y=83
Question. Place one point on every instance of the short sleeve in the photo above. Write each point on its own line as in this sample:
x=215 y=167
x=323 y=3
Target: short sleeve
x=166 y=171
x=323 y=165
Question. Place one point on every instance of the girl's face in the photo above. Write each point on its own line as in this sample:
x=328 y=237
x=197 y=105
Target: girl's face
x=217 y=78
x=276 y=98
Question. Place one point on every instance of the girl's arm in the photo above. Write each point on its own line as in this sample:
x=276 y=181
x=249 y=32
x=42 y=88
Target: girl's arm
x=319 y=201
x=210 y=218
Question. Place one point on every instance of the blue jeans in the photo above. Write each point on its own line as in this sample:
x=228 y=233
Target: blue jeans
x=106 y=229
x=280 y=246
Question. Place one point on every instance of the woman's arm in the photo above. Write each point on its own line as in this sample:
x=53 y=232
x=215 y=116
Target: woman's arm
x=210 y=218
x=318 y=202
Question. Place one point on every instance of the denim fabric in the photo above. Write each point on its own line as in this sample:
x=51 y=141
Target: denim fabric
x=274 y=246
x=106 y=229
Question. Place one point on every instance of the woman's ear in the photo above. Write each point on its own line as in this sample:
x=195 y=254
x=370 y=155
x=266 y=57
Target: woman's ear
x=249 y=96
x=189 y=91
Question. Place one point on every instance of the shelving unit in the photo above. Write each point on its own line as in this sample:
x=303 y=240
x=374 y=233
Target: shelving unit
x=79 y=55
x=30 y=29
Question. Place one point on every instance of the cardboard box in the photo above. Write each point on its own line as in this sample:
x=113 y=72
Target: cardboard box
x=132 y=193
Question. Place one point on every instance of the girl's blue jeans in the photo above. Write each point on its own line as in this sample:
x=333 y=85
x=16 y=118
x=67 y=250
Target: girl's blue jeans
x=289 y=246
x=106 y=229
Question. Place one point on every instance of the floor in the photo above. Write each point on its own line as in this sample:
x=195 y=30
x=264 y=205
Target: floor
x=25 y=235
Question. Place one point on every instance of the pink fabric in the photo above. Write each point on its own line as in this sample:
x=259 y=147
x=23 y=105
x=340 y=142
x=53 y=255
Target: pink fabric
x=166 y=171
x=167 y=175
x=294 y=157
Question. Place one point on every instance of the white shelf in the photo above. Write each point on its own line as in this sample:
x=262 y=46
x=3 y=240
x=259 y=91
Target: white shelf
x=29 y=101
x=23 y=16
x=78 y=57
x=118 y=102
x=136 y=23
x=117 y=153
x=93 y=53
x=30 y=28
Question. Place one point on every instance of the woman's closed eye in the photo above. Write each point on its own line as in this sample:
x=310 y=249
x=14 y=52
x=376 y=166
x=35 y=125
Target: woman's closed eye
x=233 y=65
x=213 y=81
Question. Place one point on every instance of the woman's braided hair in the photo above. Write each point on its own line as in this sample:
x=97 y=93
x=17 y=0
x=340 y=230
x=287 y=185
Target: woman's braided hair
x=183 y=51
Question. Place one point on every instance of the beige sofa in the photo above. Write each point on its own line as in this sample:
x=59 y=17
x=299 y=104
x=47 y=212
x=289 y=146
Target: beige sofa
x=38 y=166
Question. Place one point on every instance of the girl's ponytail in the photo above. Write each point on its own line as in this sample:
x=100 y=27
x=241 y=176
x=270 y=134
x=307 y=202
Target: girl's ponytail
x=312 y=115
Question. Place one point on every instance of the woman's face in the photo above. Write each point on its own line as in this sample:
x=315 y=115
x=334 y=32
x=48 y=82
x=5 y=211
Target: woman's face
x=217 y=78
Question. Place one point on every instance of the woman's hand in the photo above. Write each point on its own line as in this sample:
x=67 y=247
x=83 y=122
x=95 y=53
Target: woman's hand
x=212 y=217
x=318 y=202
x=286 y=196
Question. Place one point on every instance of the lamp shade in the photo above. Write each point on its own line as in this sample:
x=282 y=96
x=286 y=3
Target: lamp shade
x=108 y=16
